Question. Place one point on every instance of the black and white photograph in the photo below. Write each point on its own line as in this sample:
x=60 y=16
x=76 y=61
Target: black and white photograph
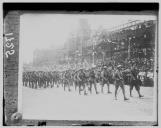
x=88 y=67
x=75 y=66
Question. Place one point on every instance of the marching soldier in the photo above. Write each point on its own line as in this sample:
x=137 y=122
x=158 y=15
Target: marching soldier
x=135 y=82
x=92 y=80
x=67 y=80
x=119 y=82
x=81 y=81
x=105 y=79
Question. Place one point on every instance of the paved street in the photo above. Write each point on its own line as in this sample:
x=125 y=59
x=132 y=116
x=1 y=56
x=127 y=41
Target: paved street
x=56 y=104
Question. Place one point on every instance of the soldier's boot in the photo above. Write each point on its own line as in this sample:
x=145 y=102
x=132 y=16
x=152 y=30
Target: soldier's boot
x=79 y=90
x=131 y=93
x=109 y=89
x=123 y=91
x=64 y=87
x=90 y=89
x=48 y=84
x=69 y=88
x=102 y=88
x=96 y=90
x=32 y=85
x=126 y=98
x=35 y=86
x=131 y=88
x=85 y=90
x=85 y=93
x=29 y=85
x=57 y=84
x=116 y=88
x=140 y=94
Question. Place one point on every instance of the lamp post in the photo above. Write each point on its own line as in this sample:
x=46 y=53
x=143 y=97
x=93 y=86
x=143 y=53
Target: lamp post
x=110 y=48
x=103 y=55
x=76 y=56
x=129 y=48
x=93 y=57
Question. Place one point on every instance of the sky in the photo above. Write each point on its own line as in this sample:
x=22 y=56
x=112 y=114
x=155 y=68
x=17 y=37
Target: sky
x=45 y=31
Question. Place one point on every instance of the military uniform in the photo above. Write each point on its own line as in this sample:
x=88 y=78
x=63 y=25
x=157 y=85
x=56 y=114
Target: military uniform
x=105 y=79
x=135 y=82
x=68 y=78
x=92 y=81
x=81 y=81
x=119 y=82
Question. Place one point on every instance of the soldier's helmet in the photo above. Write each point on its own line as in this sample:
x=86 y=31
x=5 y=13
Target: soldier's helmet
x=81 y=69
x=119 y=66
x=93 y=66
x=105 y=66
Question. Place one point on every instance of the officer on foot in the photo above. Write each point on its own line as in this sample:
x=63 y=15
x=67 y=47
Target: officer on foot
x=119 y=82
x=105 y=79
x=135 y=82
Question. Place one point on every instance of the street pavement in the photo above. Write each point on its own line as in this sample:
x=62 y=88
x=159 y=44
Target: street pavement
x=57 y=104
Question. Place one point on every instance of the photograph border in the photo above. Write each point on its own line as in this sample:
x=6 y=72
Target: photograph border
x=11 y=15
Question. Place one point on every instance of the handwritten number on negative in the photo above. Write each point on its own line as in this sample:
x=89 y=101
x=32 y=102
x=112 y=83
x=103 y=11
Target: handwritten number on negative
x=9 y=44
